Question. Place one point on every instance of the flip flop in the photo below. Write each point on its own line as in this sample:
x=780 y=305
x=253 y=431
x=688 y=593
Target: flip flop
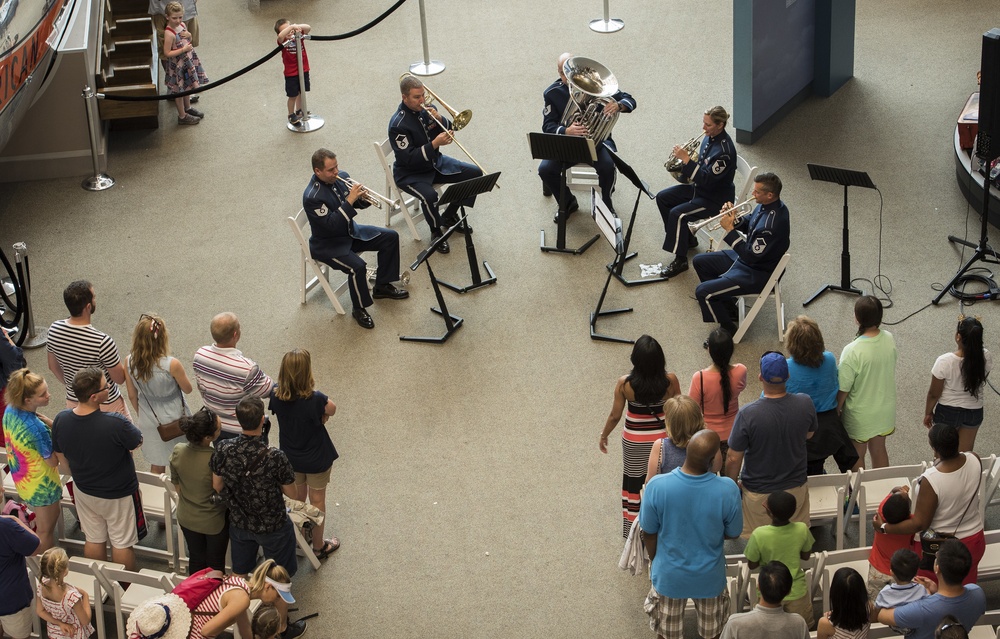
x=329 y=547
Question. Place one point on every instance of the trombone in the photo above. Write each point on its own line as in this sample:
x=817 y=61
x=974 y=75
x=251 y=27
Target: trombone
x=713 y=223
x=459 y=119
x=368 y=195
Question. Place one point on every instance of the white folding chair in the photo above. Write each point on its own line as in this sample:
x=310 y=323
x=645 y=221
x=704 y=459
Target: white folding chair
x=834 y=560
x=989 y=565
x=582 y=177
x=989 y=464
x=321 y=272
x=870 y=488
x=827 y=494
x=773 y=285
x=405 y=204
x=744 y=182
x=158 y=506
x=143 y=585
x=83 y=575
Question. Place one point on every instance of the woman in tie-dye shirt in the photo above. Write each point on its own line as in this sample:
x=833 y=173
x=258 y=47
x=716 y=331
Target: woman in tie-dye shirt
x=28 y=438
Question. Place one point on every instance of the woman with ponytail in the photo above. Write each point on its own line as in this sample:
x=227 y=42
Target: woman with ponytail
x=717 y=388
x=866 y=400
x=955 y=396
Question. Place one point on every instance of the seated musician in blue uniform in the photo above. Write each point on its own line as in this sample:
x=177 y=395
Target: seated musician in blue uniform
x=710 y=185
x=758 y=242
x=417 y=133
x=556 y=100
x=330 y=205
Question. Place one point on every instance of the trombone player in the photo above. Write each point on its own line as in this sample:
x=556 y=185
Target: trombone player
x=708 y=183
x=330 y=205
x=745 y=269
x=416 y=133
x=556 y=98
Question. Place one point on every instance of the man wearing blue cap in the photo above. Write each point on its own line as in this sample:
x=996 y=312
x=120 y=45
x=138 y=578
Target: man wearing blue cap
x=768 y=442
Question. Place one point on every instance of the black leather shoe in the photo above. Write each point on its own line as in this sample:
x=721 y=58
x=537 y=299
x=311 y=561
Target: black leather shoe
x=571 y=208
x=693 y=242
x=705 y=344
x=362 y=317
x=674 y=268
x=443 y=247
x=545 y=190
x=388 y=292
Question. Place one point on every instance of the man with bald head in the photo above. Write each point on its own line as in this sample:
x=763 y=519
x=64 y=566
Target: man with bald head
x=225 y=376
x=686 y=515
x=557 y=98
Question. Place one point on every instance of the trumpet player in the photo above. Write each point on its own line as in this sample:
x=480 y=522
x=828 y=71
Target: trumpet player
x=337 y=239
x=757 y=241
x=556 y=98
x=710 y=184
x=417 y=133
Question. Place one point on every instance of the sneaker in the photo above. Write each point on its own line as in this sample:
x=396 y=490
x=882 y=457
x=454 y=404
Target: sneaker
x=195 y=112
x=294 y=629
x=195 y=98
x=188 y=119
x=294 y=119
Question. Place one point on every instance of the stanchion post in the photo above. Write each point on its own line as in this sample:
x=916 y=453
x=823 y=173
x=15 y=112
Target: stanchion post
x=428 y=66
x=608 y=24
x=310 y=122
x=100 y=181
x=37 y=336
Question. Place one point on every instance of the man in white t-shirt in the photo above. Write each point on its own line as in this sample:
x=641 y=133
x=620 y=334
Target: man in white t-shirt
x=74 y=344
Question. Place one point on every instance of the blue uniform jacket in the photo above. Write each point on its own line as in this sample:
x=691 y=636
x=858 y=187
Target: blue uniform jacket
x=410 y=134
x=713 y=173
x=556 y=99
x=331 y=219
x=767 y=239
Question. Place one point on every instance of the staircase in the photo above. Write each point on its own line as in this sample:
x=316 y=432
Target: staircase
x=128 y=64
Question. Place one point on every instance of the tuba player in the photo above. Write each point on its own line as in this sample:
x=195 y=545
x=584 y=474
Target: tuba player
x=556 y=98
x=711 y=185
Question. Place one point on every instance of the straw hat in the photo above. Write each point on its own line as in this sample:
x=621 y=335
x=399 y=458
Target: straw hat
x=162 y=617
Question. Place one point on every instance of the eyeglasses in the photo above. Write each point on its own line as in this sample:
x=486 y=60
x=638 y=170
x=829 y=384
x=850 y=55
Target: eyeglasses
x=154 y=324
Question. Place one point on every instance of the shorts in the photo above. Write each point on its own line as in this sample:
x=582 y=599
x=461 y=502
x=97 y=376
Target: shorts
x=17 y=625
x=666 y=615
x=315 y=481
x=754 y=515
x=279 y=546
x=958 y=417
x=803 y=607
x=292 y=84
x=877 y=580
x=107 y=519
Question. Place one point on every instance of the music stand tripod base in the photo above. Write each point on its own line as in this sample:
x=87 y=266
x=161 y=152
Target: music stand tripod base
x=833 y=287
x=453 y=322
x=608 y=338
x=576 y=251
x=307 y=124
x=492 y=279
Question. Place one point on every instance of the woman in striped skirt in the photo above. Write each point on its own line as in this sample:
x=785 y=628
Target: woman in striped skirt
x=641 y=395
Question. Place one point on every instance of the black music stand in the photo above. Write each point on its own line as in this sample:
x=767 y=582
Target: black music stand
x=611 y=228
x=456 y=193
x=846 y=178
x=451 y=322
x=570 y=150
x=619 y=264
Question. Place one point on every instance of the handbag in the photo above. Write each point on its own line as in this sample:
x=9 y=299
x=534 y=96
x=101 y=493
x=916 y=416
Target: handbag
x=931 y=540
x=170 y=430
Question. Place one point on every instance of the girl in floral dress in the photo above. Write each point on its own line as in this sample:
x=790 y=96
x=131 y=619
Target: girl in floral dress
x=65 y=609
x=184 y=70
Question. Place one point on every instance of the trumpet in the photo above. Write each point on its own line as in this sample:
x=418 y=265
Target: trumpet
x=713 y=223
x=673 y=165
x=368 y=195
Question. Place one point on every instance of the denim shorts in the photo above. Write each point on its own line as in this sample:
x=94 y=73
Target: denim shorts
x=958 y=417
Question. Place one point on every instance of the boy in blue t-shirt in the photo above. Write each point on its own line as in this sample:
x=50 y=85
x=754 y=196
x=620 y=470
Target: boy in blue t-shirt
x=787 y=542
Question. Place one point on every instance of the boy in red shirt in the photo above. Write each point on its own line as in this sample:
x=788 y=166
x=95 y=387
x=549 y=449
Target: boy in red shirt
x=893 y=509
x=286 y=40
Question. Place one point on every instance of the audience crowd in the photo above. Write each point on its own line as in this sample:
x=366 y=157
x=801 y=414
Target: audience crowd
x=698 y=469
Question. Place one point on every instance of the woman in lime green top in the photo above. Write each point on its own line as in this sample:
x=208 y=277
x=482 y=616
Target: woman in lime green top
x=28 y=439
x=867 y=397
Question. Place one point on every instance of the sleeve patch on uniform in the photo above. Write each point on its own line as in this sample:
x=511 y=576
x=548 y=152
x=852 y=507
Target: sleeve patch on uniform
x=719 y=167
x=547 y=110
x=322 y=210
x=759 y=244
x=402 y=141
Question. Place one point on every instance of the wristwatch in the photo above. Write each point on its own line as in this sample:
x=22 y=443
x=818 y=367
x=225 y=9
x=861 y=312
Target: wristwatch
x=882 y=527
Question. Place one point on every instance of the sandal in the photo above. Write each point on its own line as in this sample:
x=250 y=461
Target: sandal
x=329 y=547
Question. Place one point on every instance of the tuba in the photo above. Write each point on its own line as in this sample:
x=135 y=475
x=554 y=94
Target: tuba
x=674 y=165
x=591 y=87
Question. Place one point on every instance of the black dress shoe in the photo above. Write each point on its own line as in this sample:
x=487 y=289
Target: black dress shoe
x=674 y=268
x=362 y=317
x=388 y=292
x=545 y=190
x=443 y=247
x=572 y=207
x=693 y=242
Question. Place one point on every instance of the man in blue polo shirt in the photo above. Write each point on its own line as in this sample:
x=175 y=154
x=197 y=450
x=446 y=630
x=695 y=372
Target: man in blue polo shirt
x=686 y=515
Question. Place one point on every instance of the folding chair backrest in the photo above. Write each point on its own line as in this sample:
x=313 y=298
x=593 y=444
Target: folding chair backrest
x=143 y=585
x=746 y=174
x=872 y=485
x=834 y=560
x=307 y=265
x=405 y=203
x=827 y=494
